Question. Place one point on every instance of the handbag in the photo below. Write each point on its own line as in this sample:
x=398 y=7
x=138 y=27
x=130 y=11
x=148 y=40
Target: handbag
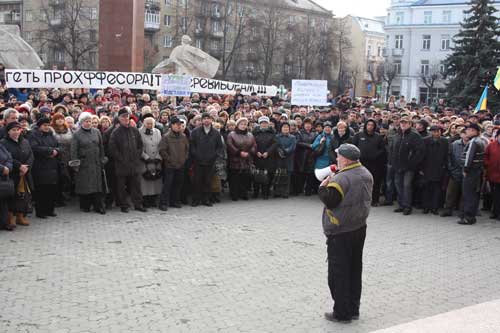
x=7 y=190
x=261 y=176
x=153 y=171
x=23 y=202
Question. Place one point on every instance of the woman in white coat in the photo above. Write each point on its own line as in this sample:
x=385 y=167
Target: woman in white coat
x=151 y=168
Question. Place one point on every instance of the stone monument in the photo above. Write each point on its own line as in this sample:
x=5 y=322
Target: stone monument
x=188 y=60
x=15 y=53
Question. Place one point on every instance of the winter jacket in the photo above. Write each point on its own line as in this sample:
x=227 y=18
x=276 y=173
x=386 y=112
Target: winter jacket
x=45 y=168
x=286 y=145
x=407 y=151
x=337 y=141
x=492 y=162
x=5 y=160
x=174 y=150
x=125 y=147
x=21 y=154
x=435 y=159
x=205 y=147
x=455 y=161
x=266 y=143
x=304 y=156
x=372 y=146
x=240 y=141
x=322 y=150
x=87 y=147
x=473 y=156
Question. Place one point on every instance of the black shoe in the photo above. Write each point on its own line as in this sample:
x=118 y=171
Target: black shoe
x=124 y=209
x=245 y=198
x=140 y=209
x=163 y=208
x=234 y=199
x=467 y=221
x=207 y=203
x=426 y=211
x=398 y=210
x=109 y=206
x=176 y=205
x=40 y=216
x=52 y=214
x=332 y=316
x=86 y=210
x=493 y=217
x=101 y=211
x=386 y=203
x=407 y=211
x=9 y=227
x=434 y=212
x=375 y=204
x=446 y=213
x=195 y=204
x=216 y=200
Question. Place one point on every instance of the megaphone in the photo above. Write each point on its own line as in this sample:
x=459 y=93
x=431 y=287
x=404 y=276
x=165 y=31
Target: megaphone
x=321 y=174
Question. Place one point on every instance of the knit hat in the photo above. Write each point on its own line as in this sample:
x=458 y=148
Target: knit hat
x=263 y=119
x=84 y=116
x=45 y=109
x=242 y=119
x=41 y=121
x=12 y=125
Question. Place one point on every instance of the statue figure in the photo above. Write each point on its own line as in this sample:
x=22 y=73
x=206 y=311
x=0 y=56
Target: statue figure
x=15 y=53
x=188 y=60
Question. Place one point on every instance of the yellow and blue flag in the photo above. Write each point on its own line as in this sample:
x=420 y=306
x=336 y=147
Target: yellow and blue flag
x=496 y=83
x=483 y=101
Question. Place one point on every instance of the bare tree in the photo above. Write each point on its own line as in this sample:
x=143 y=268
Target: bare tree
x=343 y=46
x=430 y=77
x=387 y=72
x=70 y=29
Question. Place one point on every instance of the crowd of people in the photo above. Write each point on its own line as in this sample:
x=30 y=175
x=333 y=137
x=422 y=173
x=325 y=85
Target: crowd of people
x=140 y=150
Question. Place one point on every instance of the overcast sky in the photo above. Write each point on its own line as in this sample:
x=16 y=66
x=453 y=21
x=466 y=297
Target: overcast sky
x=364 y=8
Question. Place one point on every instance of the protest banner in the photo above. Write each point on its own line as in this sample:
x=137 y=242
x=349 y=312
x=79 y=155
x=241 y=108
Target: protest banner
x=309 y=92
x=123 y=80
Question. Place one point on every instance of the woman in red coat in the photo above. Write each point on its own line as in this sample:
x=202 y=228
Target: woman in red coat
x=492 y=166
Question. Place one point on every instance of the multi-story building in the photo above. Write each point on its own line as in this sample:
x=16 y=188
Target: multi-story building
x=419 y=38
x=233 y=32
x=367 y=38
x=11 y=12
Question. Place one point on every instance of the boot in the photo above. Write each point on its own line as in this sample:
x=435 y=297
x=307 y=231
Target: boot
x=11 y=220
x=21 y=220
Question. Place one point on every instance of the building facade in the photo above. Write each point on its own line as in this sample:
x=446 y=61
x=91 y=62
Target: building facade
x=419 y=38
x=255 y=40
x=367 y=39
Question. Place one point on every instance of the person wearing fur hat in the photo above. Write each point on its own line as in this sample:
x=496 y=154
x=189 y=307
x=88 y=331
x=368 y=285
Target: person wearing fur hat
x=265 y=138
x=241 y=149
x=22 y=158
x=87 y=151
x=46 y=174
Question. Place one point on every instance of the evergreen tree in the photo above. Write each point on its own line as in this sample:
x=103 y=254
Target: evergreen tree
x=476 y=55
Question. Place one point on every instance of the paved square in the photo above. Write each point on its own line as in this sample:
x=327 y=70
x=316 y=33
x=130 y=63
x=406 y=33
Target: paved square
x=256 y=266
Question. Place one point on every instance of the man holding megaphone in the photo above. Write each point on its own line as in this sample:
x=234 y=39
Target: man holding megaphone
x=347 y=196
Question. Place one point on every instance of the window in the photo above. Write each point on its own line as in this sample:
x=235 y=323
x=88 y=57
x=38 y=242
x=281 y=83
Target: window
x=199 y=43
x=445 y=42
x=424 y=67
x=167 y=41
x=216 y=9
x=446 y=16
x=400 y=17
x=397 y=67
x=399 y=42
x=184 y=23
x=395 y=90
x=28 y=36
x=167 y=20
x=168 y=2
x=369 y=51
x=442 y=67
x=59 y=56
x=214 y=45
x=426 y=42
x=199 y=25
x=93 y=35
x=93 y=13
x=28 y=16
x=93 y=58
x=427 y=17
x=215 y=26
x=379 y=51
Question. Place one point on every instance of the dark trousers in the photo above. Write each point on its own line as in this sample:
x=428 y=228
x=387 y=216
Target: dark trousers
x=496 y=198
x=239 y=183
x=130 y=184
x=265 y=189
x=45 y=199
x=487 y=196
x=404 y=187
x=172 y=186
x=376 y=168
x=93 y=199
x=202 y=180
x=303 y=181
x=345 y=266
x=432 y=195
x=390 y=187
x=110 y=177
x=453 y=194
x=471 y=193
x=4 y=211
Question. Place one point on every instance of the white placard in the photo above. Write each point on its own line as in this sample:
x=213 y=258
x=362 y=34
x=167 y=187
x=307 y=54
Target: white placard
x=309 y=92
x=175 y=85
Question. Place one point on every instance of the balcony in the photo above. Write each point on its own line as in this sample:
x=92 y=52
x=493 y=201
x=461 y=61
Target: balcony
x=152 y=21
x=153 y=4
x=56 y=3
x=12 y=18
x=56 y=22
x=199 y=32
x=398 y=52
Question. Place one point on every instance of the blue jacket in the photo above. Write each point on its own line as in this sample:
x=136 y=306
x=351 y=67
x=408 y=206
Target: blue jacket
x=323 y=160
x=287 y=145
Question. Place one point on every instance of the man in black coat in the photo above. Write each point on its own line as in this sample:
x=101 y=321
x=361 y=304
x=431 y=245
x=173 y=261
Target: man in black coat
x=125 y=146
x=372 y=147
x=406 y=153
x=433 y=170
x=265 y=138
x=304 y=160
x=206 y=144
